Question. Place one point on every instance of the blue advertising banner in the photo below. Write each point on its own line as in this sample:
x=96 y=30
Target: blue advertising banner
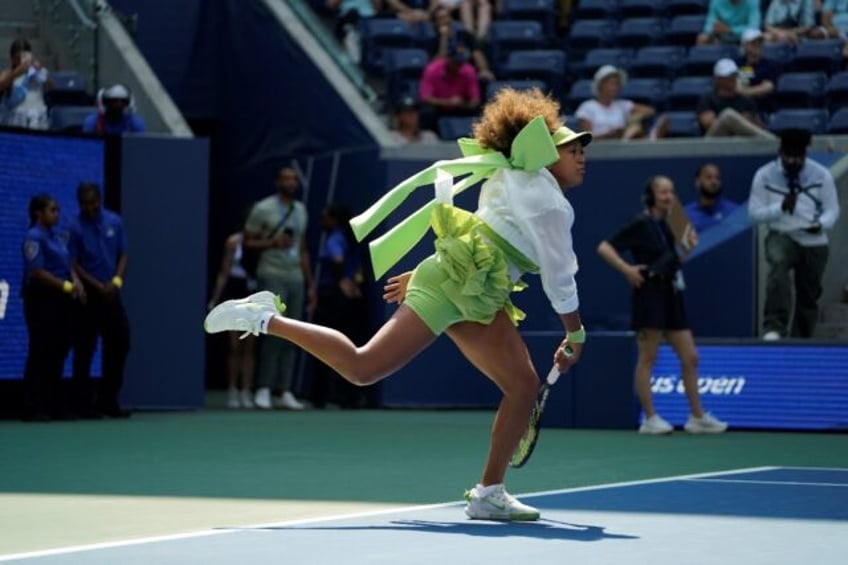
x=780 y=386
x=31 y=164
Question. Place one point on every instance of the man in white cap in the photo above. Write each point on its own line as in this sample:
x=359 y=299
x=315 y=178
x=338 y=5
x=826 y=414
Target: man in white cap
x=757 y=75
x=724 y=111
x=114 y=114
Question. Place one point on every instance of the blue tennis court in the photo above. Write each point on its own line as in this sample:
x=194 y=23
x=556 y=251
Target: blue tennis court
x=757 y=515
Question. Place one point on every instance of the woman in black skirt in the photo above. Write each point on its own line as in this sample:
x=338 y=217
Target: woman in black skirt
x=657 y=304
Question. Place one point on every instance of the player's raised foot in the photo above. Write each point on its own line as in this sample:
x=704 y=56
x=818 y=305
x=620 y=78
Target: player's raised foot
x=494 y=503
x=655 y=426
x=706 y=424
x=249 y=315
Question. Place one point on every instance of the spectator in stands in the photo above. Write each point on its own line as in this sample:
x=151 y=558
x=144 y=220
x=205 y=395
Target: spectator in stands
x=413 y=12
x=790 y=21
x=795 y=197
x=757 y=75
x=724 y=111
x=727 y=19
x=711 y=207
x=475 y=15
x=50 y=289
x=406 y=127
x=348 y=14
x=657 y=303
x=607 y=116
x=449 y=86
x=834 y=18
x=115 y=113
x=22 y=88
x=277 y=227
x=443 y=24
x=233 y=282
x=98 y=244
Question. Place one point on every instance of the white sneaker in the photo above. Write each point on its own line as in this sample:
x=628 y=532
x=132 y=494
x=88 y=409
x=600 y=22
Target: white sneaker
x=771 y=336
x=246 y=399
x=246 y=315
x=706 y=424
x=289 y=402
x=497 y=505
x=233 y=398
x=263 y=398
x=655 y=426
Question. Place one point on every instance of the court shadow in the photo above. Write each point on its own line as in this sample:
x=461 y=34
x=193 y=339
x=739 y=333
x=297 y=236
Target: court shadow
x=542 y=529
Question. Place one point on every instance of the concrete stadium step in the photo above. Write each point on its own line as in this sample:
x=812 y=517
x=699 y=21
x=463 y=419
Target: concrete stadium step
x=834 y=313
x=17 y=10
x=832 y=331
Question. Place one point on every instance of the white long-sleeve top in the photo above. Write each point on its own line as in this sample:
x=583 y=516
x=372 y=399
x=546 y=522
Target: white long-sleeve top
x=817 y=202
x=530 y=211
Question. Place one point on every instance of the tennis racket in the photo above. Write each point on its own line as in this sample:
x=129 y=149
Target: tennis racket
x=528 y=441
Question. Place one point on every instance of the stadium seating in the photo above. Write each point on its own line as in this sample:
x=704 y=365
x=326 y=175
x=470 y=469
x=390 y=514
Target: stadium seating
x=682 y=30
x=650 y=91
x=700 y=59
x=493 y=87
x=69 y=89
x=836 y=91
x=512 y=35
x=590 y=34
x=821 y=55
x=686 y=91
x=596 y=10
x=377 y=34
x=838 y=124
x=640 y=8
x=402 y=66
x=542 y=11
x=596 y=58
x=580 y=91
x=545 y=65
x=685 y=7
x=780 y=53
x=683 y=124
x=69 y=118
x=800 y=90
x=657 y=62
x=454 y=127
x=639 y=32
x=813 y=119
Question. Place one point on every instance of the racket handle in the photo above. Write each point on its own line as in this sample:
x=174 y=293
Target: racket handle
x=553 y=375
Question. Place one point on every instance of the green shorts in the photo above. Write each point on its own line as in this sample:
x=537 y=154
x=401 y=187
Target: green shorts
x=467 y=279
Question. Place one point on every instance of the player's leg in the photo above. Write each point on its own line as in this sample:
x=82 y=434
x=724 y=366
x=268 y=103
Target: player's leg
x=498 y=351
x=699 y=422
x=648 y=343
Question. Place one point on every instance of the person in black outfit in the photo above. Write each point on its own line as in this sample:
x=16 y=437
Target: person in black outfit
x=341 y=306
x=657 y=304
x=49 y=290
x=99 y=247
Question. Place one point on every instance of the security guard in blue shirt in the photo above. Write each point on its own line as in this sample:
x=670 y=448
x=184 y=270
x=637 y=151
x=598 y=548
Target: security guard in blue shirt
x=49 y=290
x=99 y=248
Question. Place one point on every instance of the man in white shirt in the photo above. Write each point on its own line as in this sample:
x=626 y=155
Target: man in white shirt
x=796 y=198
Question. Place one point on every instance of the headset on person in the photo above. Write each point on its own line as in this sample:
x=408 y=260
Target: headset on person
x=648 y=197
x=116 y=92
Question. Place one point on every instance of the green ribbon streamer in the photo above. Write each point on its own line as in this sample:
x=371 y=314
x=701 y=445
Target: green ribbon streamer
x=532 y=149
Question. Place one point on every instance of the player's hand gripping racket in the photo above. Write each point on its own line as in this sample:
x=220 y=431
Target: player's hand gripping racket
x=528 y=441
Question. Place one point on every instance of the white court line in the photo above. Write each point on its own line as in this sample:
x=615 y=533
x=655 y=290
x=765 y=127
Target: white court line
x=219 y=531
x=746 y=482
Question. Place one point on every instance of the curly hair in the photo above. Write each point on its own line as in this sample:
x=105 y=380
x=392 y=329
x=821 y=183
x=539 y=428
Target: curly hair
x=509 y=112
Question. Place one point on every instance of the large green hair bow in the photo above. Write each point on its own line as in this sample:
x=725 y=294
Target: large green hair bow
x=532 y=149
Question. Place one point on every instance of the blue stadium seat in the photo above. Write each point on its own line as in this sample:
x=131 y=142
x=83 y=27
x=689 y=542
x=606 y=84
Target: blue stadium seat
x=682 y=30
x=493 y=87
x=542 y=11
x=686 y=91
x=571 y=122
x=701 y=59
x=657 y=62
x=378 y=34
x=650 y=91
x=424 y=35
x=838 y=124
x=454 y=127
x=596 y=58
x=506 y=36
x=69 y=89
x=590 y=34
x=800 y=90
x=641 y=8
x=402 y=65
x=836 y=91
x=596 y=10
x=780 y=53
x=685 y=7
x=69 y=118
x=547 y=65
x=580 y=92
x=823 y=55
x=639 y=32
x=813 y=119
x=683 y=124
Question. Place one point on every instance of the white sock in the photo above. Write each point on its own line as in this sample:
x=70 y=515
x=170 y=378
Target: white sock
x=264 y=321
x=483 y=492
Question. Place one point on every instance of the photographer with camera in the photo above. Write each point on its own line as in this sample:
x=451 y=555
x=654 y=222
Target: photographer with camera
x=275 y=240
x=657 y=304
x=22 y=88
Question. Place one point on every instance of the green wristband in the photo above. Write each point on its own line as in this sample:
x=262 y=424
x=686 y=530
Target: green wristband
x=578 y=336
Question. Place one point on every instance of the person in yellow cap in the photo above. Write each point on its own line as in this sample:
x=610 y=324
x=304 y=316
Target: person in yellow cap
x=522 y=225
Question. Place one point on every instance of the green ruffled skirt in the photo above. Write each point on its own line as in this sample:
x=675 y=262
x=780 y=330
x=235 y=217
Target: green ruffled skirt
x=467 y=279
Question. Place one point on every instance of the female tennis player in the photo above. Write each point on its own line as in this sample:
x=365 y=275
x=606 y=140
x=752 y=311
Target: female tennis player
x=522 y=224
